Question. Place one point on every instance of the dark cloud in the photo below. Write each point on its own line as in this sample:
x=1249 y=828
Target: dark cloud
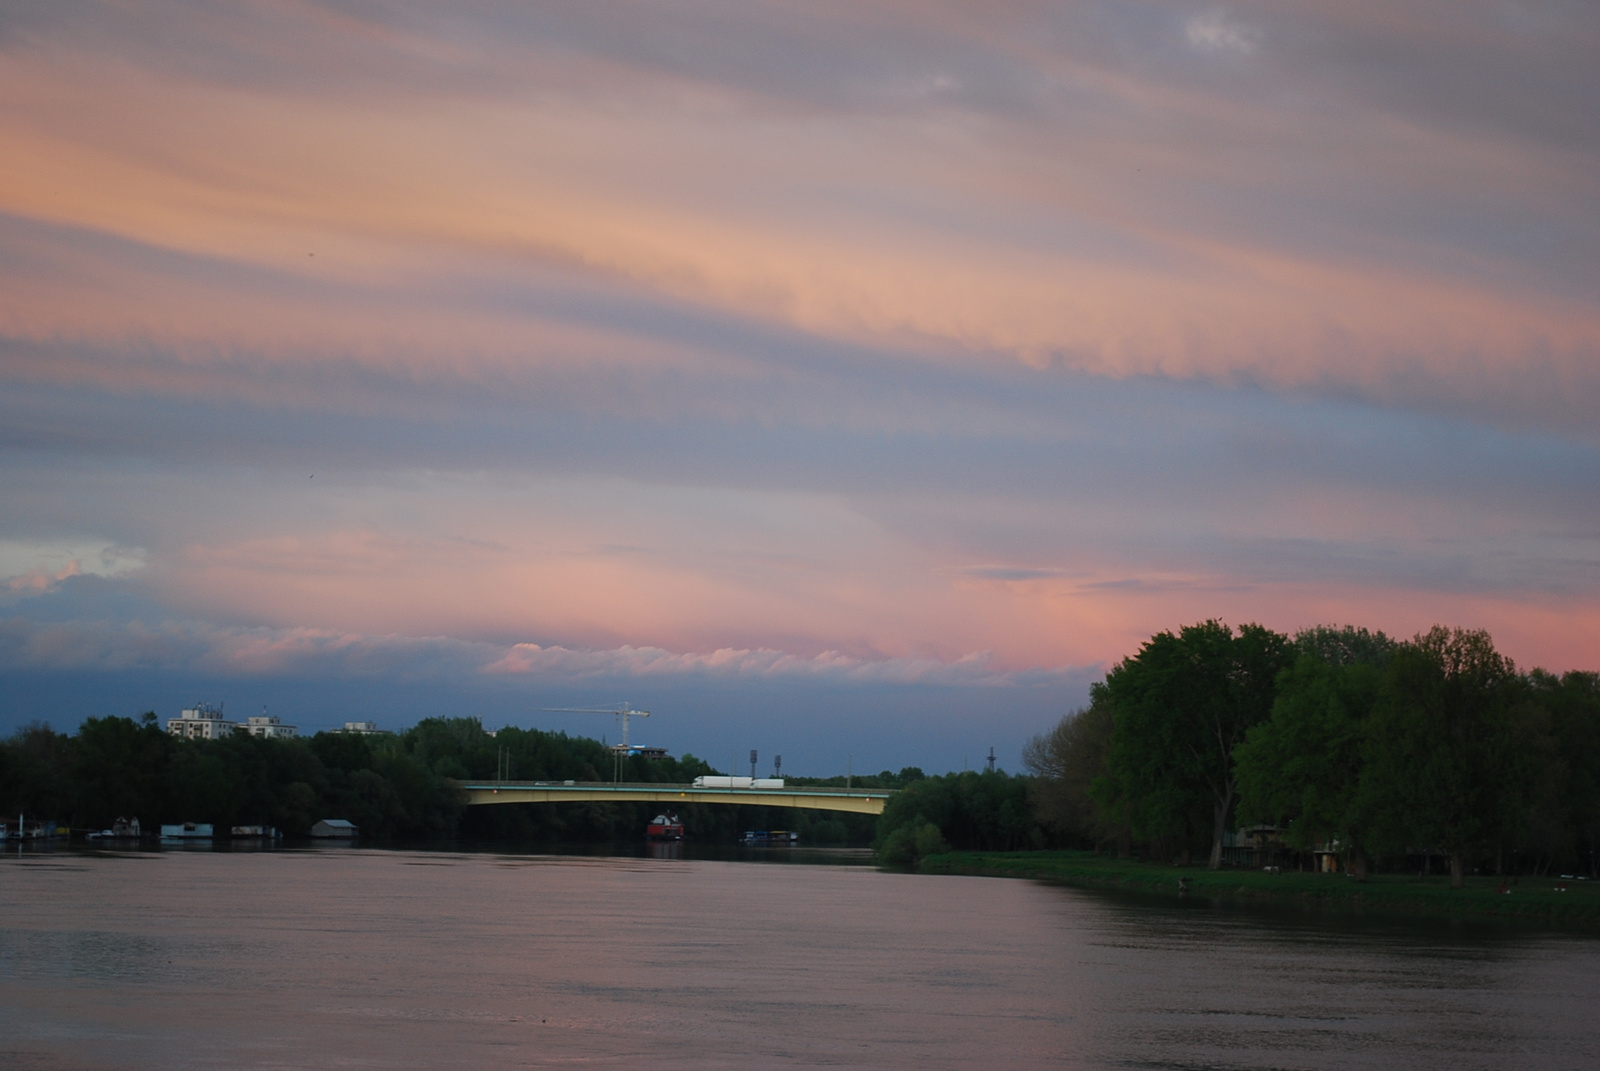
x=97 y=649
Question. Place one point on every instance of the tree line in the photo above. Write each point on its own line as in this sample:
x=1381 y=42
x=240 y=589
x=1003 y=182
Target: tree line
x=991 y=811
x=395 y=787
x=1338 y=739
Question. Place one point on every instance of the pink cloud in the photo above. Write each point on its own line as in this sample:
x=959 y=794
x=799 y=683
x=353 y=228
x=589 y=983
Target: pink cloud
x=643 y=179
x=41 y=579
x=385 y=221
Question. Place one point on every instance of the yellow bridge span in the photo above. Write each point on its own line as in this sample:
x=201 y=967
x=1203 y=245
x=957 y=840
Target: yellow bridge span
x=857 y=801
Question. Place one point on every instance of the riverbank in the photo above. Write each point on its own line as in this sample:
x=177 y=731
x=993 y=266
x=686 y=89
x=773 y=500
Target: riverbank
x=1567 y=903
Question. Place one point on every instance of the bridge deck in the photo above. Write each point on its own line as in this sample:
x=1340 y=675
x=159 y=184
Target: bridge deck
x=857 y=801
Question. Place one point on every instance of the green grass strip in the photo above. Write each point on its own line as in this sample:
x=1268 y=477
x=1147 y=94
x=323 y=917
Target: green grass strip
x=1566 y=903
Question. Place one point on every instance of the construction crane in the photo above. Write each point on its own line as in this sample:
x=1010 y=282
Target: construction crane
x=621 y=710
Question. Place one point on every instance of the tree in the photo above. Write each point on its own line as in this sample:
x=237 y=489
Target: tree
x=37 y=773
x=1345 y=645
x=1302 y=767
x=1065 y=762
x=1180 y=707
x=1566 y=809
x=119 y=771
x=1442 y=766
x=971 y=811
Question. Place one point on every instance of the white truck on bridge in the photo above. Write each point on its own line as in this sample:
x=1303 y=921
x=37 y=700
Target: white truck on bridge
x=720 y=781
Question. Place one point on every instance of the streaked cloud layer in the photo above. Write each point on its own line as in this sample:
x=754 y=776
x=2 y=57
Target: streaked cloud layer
x=934 y=342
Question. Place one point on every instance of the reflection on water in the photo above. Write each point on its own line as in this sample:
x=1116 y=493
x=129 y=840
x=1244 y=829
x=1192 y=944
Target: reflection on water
x=360 y=958
x=1214 y=987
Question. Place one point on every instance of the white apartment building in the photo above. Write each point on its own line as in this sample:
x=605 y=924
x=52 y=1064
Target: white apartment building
x=201 y=722
x=269 y=727
x=363 y=728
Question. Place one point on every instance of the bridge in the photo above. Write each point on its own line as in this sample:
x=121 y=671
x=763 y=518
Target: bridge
x=856 y=801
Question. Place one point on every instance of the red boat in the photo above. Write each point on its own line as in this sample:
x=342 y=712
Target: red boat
x=664 y=827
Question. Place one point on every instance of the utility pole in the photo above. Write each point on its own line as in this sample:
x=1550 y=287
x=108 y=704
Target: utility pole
x=752 y=764
x=991 y=759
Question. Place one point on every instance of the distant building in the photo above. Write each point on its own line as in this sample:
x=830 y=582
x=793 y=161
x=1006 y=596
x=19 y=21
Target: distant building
x=269 y=727
x=202 y=722
x=334 y=828
x=626 y=750
x=362 y=728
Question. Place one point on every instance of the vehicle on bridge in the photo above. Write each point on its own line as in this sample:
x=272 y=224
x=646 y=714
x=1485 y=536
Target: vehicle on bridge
x=721 y=781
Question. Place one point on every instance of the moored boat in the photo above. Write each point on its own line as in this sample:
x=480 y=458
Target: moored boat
x=664 y=827
x=770 y=838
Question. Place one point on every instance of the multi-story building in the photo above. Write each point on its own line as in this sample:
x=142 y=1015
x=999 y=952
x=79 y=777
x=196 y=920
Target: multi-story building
x=363 y=728
x=269 y=726
x=202 y=722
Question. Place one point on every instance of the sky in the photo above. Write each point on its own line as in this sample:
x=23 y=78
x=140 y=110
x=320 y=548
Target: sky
x=855 y=382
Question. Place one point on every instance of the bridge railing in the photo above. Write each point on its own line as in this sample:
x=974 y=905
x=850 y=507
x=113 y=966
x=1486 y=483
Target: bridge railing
x=805 y=797
x=673 y=786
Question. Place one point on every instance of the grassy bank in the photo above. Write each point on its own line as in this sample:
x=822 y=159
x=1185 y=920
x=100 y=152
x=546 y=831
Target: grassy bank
x=1564 y=903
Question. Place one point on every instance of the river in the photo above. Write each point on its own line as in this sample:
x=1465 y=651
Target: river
x=353 y=958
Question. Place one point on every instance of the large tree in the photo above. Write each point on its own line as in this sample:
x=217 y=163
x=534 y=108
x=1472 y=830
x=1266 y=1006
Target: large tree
x=120 y=770
x=1444 y=767
x=1180 y=707
x=1302 y=767
x=1565 y=812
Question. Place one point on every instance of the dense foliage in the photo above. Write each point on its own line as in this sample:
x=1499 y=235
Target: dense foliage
x=1180 y=708
x=1341 y=740
x=970 y=811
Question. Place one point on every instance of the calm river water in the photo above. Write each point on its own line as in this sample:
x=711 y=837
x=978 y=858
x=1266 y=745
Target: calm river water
x=391 y=959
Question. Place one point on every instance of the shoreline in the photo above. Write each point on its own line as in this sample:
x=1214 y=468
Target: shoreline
x=1566 y=904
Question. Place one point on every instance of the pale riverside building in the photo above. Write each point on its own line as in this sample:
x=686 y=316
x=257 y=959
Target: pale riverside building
x=363 y=728
x=269 y=727
x=202 y=722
